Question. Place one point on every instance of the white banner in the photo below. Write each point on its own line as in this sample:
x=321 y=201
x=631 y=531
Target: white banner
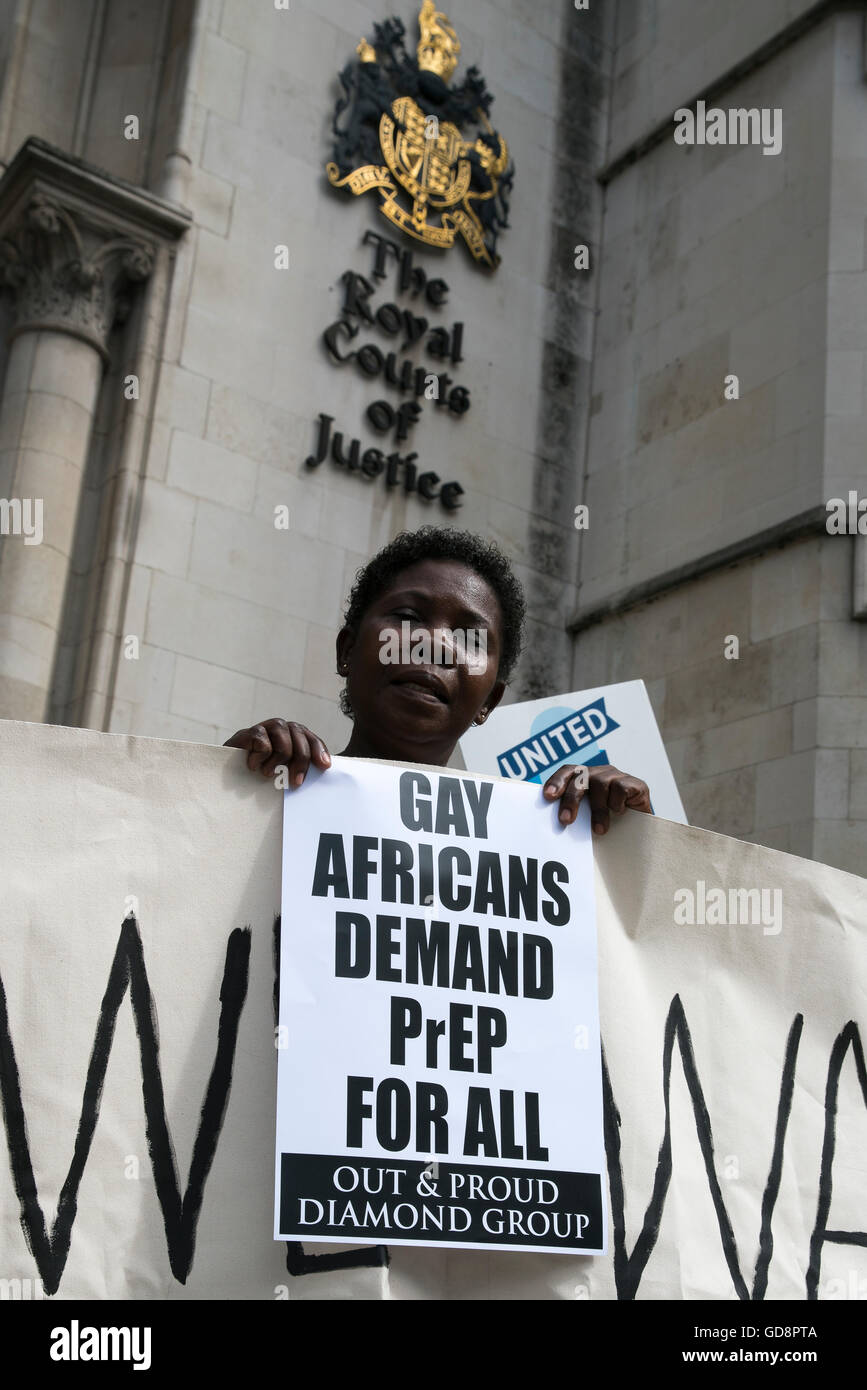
x=141 y=883
x=439 y=1079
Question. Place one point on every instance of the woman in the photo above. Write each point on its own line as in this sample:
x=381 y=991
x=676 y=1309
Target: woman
x=439 y=581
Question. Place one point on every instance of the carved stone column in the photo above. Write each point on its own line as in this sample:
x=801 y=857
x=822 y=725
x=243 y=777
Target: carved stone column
x=74 y=243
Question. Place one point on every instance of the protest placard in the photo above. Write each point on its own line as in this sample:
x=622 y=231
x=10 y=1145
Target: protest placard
x=528 y=740
x=439 y=1073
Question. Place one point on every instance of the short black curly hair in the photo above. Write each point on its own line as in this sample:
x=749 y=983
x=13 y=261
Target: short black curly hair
x=443 y=543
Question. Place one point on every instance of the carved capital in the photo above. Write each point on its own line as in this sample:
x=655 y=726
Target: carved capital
x=64 y=274
x=74 y=242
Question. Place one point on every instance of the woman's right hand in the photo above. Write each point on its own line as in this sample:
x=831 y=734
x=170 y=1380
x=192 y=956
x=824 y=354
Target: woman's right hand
x=281 y=743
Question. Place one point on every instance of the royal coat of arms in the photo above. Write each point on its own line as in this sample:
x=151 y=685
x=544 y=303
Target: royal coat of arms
x=401 y=129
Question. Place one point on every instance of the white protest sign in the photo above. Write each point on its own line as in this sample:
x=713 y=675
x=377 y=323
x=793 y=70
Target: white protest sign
x=529 y=740
x=439 y=1071
x=138 y=1068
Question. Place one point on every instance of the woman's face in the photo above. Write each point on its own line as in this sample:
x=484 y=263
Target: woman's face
x=415 y=709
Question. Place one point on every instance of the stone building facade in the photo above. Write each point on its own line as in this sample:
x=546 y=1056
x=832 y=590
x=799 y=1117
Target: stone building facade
x=164 y=371
x=721 y=260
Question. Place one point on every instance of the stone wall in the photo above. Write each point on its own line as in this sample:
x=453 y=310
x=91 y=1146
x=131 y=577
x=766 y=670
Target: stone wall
x=715 y=261
x=72 y=73
x=238 y=619
x=671 y=51
x=723 y=260
x=770 y=747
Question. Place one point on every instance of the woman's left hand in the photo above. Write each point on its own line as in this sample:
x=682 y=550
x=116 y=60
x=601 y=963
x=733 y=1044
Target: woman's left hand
x=608 y=790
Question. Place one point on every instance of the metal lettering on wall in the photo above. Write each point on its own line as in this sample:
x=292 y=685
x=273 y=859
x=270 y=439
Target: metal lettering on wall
x=402 y=111
x=405 y=327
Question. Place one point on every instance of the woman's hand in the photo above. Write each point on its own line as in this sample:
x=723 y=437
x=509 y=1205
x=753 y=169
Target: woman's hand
x=281 y=743
x=608 y=789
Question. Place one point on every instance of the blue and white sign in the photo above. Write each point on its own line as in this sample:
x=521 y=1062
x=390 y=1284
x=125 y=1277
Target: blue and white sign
x=610 y=724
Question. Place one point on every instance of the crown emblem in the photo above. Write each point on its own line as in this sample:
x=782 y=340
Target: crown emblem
x=438 y=48
x=402 y=129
